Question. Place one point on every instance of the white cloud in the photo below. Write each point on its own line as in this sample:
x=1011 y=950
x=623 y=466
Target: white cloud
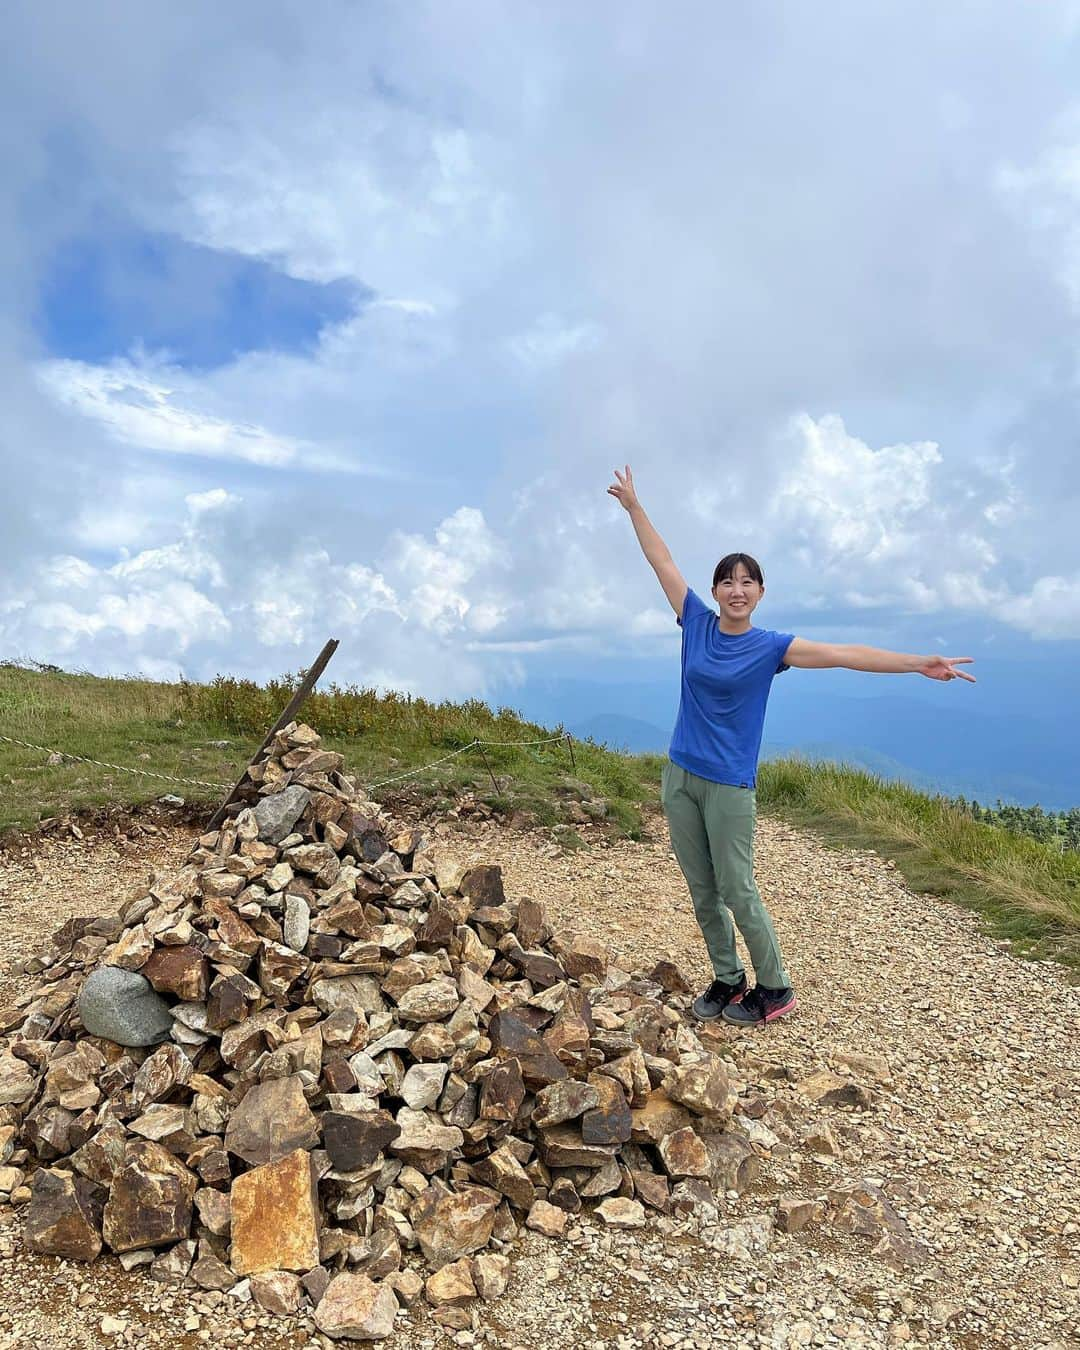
x=417 y=603
x=438 y=574
x=174 y=608
x=850 y=502
x=138 y=408
x=391 y=194
x=1050 y=609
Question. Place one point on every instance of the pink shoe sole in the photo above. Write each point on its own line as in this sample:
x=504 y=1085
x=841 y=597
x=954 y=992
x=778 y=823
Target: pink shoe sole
x=784 y=1010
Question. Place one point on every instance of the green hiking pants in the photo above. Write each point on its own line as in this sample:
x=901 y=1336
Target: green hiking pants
x=712 y=833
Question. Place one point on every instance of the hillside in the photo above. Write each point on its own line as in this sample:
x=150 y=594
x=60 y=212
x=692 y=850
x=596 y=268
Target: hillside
x=1028 y=892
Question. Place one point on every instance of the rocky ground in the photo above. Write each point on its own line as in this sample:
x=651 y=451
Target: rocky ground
x=963 y=1071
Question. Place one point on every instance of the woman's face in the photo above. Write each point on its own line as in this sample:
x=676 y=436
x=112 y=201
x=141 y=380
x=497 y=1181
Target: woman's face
x=738 y=594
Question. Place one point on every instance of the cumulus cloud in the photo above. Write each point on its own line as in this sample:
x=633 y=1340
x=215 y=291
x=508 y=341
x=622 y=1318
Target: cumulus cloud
x=175 y=605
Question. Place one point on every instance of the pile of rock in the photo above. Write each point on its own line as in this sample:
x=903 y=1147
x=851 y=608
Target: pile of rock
x=323 y=1060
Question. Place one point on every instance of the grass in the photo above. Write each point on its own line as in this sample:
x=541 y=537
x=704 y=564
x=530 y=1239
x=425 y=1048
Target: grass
x=1027 y=892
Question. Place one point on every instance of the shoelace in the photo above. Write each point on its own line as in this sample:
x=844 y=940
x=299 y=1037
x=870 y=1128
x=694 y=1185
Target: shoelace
x=755 y=1001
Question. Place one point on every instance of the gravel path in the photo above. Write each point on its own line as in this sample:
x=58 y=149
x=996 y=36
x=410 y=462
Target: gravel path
x=965 y=1062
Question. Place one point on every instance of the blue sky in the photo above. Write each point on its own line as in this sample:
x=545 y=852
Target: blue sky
x=337 y=322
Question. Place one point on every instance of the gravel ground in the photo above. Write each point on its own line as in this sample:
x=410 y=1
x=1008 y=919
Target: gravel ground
x=966 y=1061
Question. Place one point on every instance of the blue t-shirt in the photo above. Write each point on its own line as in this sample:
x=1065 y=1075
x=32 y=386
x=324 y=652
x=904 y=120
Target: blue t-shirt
x=725 y=686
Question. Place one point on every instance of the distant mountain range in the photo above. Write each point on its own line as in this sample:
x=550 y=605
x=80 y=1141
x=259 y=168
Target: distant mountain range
x=1027 y=751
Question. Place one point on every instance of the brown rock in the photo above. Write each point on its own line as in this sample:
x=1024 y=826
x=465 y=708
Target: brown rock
x=272 y=1120
x=132 y=949
x=502 y=1171
x=453 y=1224
x=279 y=968
x=683 y=1154
x=511 y=1036
x=452 y=1285
x=102 y=1156
x=656 y=1118
x=182 y=971
x=651 y=1188
x=563 y=1146
x=502 y=1091
x=491 y=1274
x=863 y=1209
x=355 y=1308
x=64 y=1217
x=167 y=1068
x=733 y=1164
x=566 y=1100
x=831 y=1090
x=531 y=924
x=606 y=1180
x=275 y=1216
x=150 y=1202
x=215 y=1212
x=583 y=957
x=669 y=977
x=483 y=885
x=618 y=1212
x=794 y=1214
x=569 y=1035
x=423 y=1141
x=408 y=1285
x=354 y=1139
x=546 y=1219
x=228 y=1002
x=210 y=1273
x=429 y=1002
x=704 y=1087
x=609 y=1121
x=276 y=1291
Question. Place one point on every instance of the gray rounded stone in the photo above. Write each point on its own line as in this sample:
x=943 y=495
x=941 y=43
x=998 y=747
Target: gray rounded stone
x=123 y=1006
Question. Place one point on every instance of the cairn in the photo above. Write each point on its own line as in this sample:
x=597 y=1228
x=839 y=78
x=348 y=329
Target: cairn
x=324 y=1060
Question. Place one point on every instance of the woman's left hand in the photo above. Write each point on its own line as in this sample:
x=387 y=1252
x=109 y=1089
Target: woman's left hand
x=941 y=668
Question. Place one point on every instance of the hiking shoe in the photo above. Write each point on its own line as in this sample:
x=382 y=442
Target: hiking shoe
x=761 y=1005
x=709 y=1005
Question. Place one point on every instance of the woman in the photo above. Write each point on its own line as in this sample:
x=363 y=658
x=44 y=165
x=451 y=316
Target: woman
x=708 y=785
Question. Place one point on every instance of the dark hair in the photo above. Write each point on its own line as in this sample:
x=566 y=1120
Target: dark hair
x=727 y=565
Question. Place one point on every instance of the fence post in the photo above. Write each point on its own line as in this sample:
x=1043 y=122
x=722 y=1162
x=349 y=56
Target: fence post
x=494 y=783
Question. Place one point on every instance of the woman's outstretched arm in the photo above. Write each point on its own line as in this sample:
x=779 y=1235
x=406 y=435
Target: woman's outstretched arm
x=825 y=655
x=656 y=551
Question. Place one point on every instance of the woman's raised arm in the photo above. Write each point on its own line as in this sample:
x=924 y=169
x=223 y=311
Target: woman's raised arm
x=657 y=553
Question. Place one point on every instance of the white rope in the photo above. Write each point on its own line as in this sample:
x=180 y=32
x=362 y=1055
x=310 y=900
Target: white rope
x=546 y=741
x=103 y=764
x=199 y=782
x=409 y=773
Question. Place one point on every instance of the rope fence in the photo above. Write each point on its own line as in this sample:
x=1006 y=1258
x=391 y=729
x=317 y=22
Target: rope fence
x=121 y=768
x=478 y=743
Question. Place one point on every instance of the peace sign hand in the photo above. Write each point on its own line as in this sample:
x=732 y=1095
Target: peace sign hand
x=623 y=491
x=941 y=668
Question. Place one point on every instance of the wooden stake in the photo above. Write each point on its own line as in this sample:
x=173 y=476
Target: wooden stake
x=294 y=705
x=570 y=747
x=487 y=766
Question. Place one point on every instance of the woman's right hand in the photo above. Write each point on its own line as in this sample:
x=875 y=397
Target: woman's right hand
x=623 y=490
